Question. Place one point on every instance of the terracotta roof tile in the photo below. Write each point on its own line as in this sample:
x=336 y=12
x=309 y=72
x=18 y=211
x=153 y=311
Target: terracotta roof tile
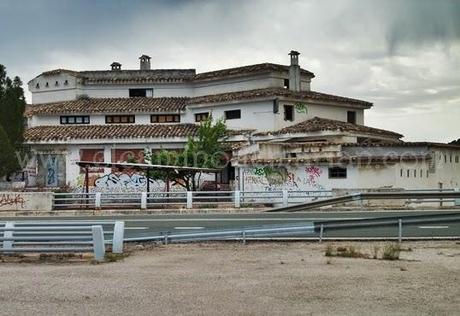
x=318 y=124
x=308 y=96
x=247 y=70
x=109 y=105
x=115 y=131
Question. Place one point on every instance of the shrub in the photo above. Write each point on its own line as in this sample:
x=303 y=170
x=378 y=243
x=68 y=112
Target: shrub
x=391 y=252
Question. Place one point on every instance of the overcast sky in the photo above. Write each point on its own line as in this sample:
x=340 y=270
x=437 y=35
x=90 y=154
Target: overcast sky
x=404 y=56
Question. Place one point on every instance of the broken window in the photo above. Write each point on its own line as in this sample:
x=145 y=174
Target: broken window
x=232 y=114
x=134 y=93
x=337 y=173
x=288 y=112
x=351 y=117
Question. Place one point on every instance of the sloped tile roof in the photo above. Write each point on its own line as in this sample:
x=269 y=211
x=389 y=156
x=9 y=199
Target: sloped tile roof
x=109 y=105
x=109 y=131
x=318 y=124
x=246 y=70
x=170 y=75
x=308 y=96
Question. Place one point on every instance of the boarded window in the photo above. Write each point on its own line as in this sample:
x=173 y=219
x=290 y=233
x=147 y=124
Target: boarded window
x=165 y=118
x=119 y=119
x=128 y=155
x=93 y=155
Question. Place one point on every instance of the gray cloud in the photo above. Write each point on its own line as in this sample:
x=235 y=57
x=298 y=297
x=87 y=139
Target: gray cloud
x=402 y=55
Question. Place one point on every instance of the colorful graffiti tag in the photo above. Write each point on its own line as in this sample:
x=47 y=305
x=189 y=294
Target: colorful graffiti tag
x=280 y=178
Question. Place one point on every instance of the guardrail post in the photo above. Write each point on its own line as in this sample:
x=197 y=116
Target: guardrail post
x=8 y=244
x=189 y=199
x=285 y=197
x=457 y=200
x=237 y=199
x=98 y=242
x=244 y=237
x=400 y=230
x=118 y=235
x=144 y=200
x=97 y=200
x=321 y=231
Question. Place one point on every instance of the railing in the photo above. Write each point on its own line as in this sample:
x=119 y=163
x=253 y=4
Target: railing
x=180 y=199
x=309 y=230
x=438 y=195
x=62 y=236
x=230 y=234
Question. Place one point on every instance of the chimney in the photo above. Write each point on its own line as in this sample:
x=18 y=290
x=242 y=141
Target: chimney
x=294 y=71
x=115 y=66
x=145 y=62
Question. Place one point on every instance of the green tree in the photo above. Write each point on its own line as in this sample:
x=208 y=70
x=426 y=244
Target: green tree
x=204 y=150
x=8 y=160
x=12 y=107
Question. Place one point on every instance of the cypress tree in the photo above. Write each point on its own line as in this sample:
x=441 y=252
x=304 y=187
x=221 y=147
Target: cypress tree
x=12 y=107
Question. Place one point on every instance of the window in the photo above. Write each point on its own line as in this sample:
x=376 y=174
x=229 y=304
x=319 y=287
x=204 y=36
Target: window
x=456 y=159
x=75 y=119
x=119 y=119
x=47 y=85
x=232 y=114
x=337 y=173
x=201 y=116
x=401 y=173
x=165 y=118
x=133 y=93
x=289 y=113
x=408 y=173
x=286 y=84
x=351 y=117
x=421 y=173
x=56 y=83
x=415 y=173
x=66 y=82
x=37 y=86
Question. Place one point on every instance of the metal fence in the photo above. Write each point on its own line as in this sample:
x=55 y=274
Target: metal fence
x=184 y=199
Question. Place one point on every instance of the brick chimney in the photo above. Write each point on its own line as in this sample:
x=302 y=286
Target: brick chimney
x=294 y=71
x=144 y=63
x=115 y=66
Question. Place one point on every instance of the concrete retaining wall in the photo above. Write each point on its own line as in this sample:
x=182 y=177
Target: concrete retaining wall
x=26 y=201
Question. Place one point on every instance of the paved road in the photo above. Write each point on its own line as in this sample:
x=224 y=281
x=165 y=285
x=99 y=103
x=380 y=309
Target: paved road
x=145 y=225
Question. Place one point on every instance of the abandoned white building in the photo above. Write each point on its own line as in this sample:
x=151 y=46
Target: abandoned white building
x=285 y=135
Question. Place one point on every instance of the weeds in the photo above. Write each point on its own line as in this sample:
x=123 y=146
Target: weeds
x=347 y=252
x=391 y=252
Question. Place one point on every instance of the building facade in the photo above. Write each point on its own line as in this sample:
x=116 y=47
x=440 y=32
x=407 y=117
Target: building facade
x=283 y=134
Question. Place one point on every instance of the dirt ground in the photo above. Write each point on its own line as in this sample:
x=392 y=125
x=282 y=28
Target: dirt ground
x=235 y=279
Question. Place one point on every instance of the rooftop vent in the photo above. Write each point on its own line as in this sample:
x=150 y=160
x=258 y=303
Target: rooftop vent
x=145 y=62
x=115 y=65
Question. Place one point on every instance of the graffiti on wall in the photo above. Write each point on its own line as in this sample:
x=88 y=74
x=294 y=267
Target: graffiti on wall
x=12 y=200
x=300 y=107
x=280 y=178
x=124 y=182
x=51 y=177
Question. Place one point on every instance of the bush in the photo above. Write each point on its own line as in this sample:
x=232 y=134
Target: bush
x=391 y=252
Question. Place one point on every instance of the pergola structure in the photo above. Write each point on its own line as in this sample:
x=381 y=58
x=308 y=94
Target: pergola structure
x=141 y=167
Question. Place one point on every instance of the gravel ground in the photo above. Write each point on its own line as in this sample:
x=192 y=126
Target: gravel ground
x=232 y=279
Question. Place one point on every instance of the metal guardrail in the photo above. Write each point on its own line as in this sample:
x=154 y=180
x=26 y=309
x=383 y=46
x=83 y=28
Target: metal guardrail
x=370 y=196
x=321 y=226
x=186 y=199
x=229 y=234
x=287 y=231
x=61 y=236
